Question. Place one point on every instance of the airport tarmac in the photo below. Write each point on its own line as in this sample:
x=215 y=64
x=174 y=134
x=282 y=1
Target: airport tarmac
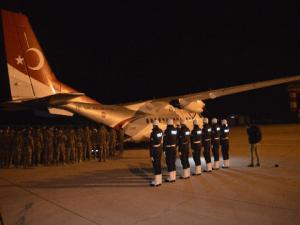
x=117 y=192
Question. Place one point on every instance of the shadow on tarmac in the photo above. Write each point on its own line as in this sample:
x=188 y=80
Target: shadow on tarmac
x=132 y=177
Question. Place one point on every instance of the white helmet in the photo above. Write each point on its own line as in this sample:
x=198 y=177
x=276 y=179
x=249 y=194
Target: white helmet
x=224 y=122
x=214 y=121
x=170 y=121
x=195 y=122
x=205 y=120
x=155 y=123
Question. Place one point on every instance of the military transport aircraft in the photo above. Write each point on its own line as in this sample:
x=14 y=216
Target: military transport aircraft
x=33 y=85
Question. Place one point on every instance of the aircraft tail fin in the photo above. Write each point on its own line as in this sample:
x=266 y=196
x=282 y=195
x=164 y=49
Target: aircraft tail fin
x=29 y=74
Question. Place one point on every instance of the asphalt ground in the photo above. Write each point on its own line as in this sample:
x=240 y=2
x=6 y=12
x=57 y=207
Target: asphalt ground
x=118 y=192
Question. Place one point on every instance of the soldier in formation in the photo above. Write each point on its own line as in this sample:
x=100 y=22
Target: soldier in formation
x=33 y=146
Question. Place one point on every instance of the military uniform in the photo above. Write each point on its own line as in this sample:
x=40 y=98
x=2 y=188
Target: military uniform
x=155 y=154
x=50 y=146
x=215 y=139
x=225 y=145
x=196 y=138
x=112 y=142
x=170 y=144
x=38 y=145
x=184 y=147
x=61 y=147
x=28 y=149
x=19 y=143
x=102 y=133
x=79 y=145
x=206 y=138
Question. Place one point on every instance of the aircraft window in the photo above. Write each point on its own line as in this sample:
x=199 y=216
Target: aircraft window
x=147 y=120
x=151 y=120
x=159 y=119
x=174 y=118
x=186 y=118
x=163 y=119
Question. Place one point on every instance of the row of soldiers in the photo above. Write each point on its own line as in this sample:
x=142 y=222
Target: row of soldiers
x=208 y=137
x=29 y=146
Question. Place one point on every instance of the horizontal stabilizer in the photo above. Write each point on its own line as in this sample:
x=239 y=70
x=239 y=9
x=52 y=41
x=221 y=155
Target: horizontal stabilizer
x=48 y=101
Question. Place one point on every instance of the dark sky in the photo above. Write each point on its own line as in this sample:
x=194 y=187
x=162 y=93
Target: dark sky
x=122 y=51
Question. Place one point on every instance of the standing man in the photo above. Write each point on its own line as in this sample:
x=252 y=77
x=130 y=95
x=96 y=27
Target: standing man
x=155 y=153
x=121 y=141
x=215 y=138
x=254 y=138
x=184 y=138
x=196 y=137
x=112 y=142
x=225 y=143
x=206 y=138
x=170 y=144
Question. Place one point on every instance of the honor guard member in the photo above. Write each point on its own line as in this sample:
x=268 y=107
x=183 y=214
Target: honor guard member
x=215 y=140
x=206 y=138
x=170 y=144
x=225 y=143
x=184 y=138
x=155 y=153
x=196 y=137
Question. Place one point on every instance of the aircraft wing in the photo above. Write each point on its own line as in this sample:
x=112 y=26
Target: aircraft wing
x=212 y=94
x=194 y=102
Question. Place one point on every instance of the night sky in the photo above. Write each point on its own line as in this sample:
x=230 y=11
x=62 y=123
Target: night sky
x=120 y=51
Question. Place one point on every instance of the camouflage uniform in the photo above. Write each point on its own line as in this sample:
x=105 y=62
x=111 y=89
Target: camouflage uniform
x=28 y=149
x=38 y=145
x=79 y=145
x=19 y=143
x=71 y=147
x=95 y=142
x=87 y=143
x=112 y=142
x=121 y=140
x=50 y=145
x=45 y=145
x=107 y=141
x=61 y=146
x=102 y=145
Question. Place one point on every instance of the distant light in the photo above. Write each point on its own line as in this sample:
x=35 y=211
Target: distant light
x=232 y=117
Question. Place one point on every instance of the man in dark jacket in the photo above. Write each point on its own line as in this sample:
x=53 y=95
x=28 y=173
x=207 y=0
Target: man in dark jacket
x=254 y=138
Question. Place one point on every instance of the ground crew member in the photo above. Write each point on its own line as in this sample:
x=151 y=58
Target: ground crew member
x=225 y=143
x=196 y=136
x=170 y=144
x=155 y=153
x=184 y=138
x=206 y=138
x=215 y=139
